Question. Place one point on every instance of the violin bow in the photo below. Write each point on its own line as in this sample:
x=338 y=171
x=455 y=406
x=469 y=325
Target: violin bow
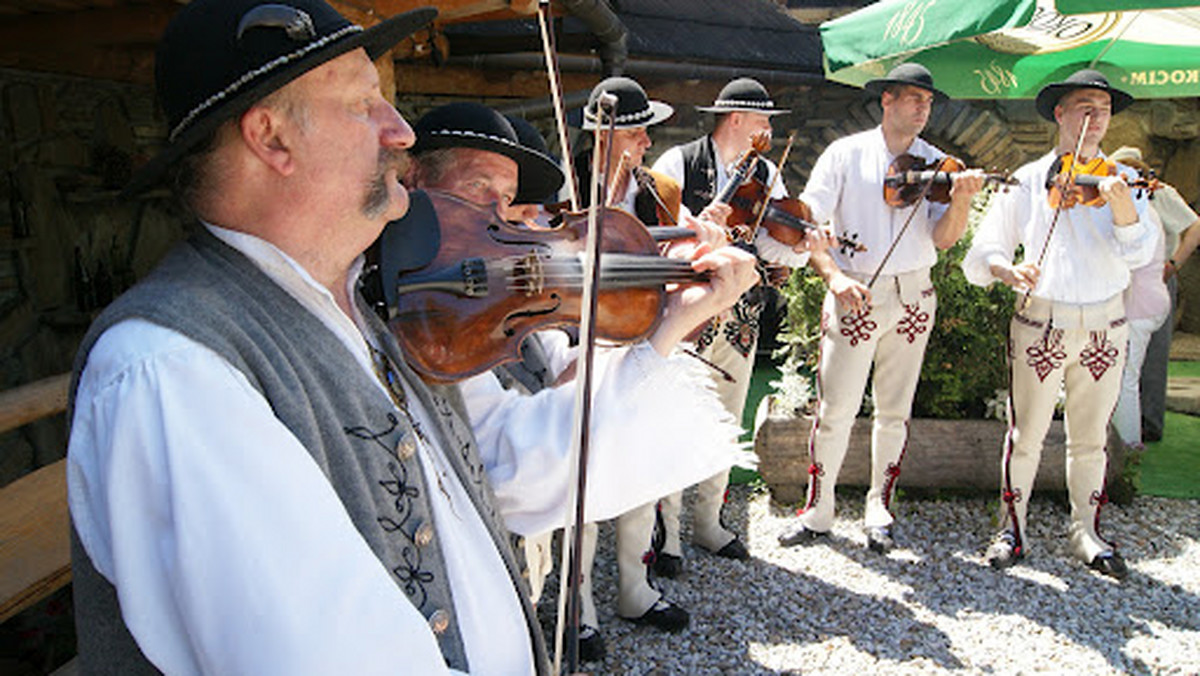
x=904 y=228
x=774 y=182
x=560 y=115
x=1087 y=119
x=568 y=605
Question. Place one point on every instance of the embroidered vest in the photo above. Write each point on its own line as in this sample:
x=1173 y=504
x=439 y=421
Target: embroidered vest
x=700 y=173
x=366 y=447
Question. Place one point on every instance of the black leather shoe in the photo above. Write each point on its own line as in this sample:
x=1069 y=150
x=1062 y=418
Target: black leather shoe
x=734 y=550
x=664 y=615
x=591 y=644
x=1111 y=564
x=879 y=539
x=1004 y=552
x=667 y=565
x=796 y=533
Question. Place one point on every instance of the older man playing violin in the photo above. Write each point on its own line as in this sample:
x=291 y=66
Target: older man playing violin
x=1070 y=325
x=257 y=481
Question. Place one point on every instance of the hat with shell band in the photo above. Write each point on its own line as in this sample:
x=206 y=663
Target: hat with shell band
x=634 y=108
x=1087 y=78
x=912 y=74
x=743 y=95
x=217 y=58
x=473 y=125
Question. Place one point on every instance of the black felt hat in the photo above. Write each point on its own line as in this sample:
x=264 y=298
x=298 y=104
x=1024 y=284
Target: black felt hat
x=634 y=108
x=1087 y=78
x=219 y=57
x=913 y=74
x=473 y=125
x=743 y=95
x=531 y=138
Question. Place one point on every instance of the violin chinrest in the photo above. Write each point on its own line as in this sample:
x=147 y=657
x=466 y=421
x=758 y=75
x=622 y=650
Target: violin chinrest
x=408 y=243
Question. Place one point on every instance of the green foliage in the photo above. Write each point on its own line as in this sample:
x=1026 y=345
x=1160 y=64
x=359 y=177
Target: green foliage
x=965 y=362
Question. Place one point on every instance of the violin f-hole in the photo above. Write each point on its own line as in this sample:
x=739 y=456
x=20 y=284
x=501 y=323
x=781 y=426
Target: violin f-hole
x=516 y=317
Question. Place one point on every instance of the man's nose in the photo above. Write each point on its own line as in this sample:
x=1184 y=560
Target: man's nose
x=396 y=132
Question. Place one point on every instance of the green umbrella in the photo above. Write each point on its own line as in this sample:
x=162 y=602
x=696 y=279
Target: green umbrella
x=1009 y=49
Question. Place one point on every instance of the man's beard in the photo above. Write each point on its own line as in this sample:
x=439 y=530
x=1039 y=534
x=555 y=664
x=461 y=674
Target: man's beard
x=377 y=199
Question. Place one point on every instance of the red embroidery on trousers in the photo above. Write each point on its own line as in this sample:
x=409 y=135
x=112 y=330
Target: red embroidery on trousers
x=1100 y=354
x=1047 y=354
x=914 y=323
x=857 y=327
x=815 y=472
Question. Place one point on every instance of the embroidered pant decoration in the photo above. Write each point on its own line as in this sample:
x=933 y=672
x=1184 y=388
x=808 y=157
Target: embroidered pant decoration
x=892 y=335
x=1081 y=349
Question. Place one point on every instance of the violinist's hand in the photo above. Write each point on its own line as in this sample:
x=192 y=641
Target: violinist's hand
x=1021 y=277
x=731 y=271
x=849 y=292
x=708 y=231
x=816 y=240
x=717 y=213
x=1116 y=192
x=966 y=184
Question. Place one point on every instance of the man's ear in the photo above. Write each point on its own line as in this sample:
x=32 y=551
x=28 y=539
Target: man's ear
x=266 y=133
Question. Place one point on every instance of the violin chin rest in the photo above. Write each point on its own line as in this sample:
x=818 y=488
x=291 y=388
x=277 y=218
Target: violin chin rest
x=408 y=243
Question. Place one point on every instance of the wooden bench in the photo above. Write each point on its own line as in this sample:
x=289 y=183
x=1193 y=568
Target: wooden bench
x=35 y=552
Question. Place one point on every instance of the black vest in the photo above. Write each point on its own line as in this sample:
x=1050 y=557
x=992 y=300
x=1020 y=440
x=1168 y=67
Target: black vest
x=700 y=173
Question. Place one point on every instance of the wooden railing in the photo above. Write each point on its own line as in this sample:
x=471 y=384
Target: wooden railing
x=35 y=552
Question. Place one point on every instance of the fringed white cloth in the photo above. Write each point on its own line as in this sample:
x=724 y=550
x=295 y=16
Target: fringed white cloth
x=658 y=427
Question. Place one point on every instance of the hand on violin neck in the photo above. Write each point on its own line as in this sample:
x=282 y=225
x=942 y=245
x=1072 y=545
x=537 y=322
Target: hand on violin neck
x=1120 y=199
x=707 y=232
x=731 y=272
x=816 y=240
x=717 y=213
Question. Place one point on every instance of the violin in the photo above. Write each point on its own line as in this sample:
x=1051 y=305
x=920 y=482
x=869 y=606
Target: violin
x=908 y=175
x=1070 y=182
x=787 y=219
x=483 y=284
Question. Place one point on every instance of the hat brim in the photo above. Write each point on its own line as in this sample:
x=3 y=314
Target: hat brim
x=376 y=40
x=876 y=87
x=659 y=112
x=1050 y=95
x=743 y=109
x=538 y=177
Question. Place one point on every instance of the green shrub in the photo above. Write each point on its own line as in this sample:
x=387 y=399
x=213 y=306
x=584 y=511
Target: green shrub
x=965 y=362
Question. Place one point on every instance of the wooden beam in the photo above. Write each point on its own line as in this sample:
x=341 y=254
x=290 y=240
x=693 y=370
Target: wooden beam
x=36 y=400
x=35 y=547
x=110 y=44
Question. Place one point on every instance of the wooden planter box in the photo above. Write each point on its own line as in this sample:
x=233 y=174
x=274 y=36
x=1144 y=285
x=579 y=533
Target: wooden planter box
x=959 y=454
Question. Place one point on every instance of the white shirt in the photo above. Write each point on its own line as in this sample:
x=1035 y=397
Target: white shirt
x=229 y=549
x=769 y=248
x=845 y=189
x=1087 y=260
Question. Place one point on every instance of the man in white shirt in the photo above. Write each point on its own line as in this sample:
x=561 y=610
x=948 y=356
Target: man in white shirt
x=885 y=324
x=258 y=483
x=703 y=168
x=1070 y=325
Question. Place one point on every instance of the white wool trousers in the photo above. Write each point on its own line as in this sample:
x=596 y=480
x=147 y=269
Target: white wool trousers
x=891 y=335
x=1081 y=348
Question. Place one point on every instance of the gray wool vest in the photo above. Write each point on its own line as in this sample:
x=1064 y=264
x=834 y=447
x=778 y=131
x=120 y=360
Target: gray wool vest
x=363 y=443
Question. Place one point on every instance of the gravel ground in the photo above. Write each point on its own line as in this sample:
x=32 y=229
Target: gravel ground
x=931 y=606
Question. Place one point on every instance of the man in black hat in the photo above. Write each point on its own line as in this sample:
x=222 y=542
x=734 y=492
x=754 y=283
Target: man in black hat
x=258 y=483
x=654 y=199
x=1070 y=325
x=881 y=329
x=703 y=168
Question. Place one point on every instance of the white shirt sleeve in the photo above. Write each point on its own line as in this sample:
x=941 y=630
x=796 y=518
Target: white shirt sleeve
x=229 y=549
x=671 y=164
x=996 y=238
x=657 y=428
